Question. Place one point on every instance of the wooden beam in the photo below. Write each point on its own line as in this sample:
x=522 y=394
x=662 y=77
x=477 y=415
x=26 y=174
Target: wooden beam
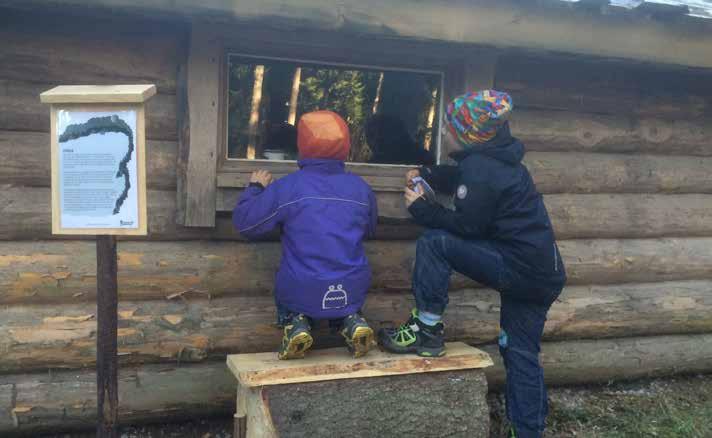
x=200 y=134
x=191 y=328
x=106 y=336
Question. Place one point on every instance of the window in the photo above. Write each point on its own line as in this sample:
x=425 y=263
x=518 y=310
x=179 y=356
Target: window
x=393 y=115
x=243 y=89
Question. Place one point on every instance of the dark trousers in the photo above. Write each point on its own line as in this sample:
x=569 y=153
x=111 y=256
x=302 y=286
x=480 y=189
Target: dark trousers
x=525 y=304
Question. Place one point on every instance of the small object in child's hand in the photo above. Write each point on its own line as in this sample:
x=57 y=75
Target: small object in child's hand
x=421 y=186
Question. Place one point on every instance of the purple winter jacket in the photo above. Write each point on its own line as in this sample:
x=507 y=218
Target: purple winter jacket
x=324 y=214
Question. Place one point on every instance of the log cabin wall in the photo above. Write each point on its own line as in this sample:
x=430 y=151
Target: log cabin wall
x=620 y=150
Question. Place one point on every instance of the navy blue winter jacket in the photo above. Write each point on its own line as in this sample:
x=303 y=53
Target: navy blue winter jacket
x=495 y=199
x=324 y=214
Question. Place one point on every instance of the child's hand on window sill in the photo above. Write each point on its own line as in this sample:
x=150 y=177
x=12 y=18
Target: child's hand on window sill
x=261 y=176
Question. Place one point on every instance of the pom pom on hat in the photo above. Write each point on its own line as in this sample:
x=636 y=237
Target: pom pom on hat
x=323 y=134
x=475 y=117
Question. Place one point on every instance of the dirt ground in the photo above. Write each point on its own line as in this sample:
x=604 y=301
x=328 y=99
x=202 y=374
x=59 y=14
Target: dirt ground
x=666 y=408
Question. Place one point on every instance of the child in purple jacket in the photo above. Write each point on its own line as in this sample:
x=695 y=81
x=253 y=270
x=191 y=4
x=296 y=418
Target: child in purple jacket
x=324 y=214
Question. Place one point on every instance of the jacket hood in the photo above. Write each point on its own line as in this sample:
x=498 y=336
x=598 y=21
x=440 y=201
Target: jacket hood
x=502 y=147
x=322 y=165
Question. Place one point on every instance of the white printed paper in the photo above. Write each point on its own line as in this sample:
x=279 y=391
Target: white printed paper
x=98 y=185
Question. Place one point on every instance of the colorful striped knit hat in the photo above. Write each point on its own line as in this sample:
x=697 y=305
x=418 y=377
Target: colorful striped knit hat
x=475 y=117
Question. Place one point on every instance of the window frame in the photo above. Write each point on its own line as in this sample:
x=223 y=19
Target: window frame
x=235 y=172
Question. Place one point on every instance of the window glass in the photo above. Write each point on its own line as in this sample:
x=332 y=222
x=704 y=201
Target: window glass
x=393 y=115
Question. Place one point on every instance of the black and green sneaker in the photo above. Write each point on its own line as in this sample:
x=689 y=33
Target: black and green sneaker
x=358 y=335
x=413 y=336
x=297 y=338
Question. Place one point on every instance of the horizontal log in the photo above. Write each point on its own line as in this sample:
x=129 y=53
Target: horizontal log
x=62 y=400
x=81 y=49
x=556 y=172
x=26 y=216
x=21 y=110
x=608 y=360
x=24 y=160
x=195 y=329
x=576 y=132
x=65 y=271
x=582 y=216
x=629 y=216
x=604 y=86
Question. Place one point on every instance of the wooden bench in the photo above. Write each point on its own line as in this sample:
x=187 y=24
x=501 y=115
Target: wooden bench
x=331 y=394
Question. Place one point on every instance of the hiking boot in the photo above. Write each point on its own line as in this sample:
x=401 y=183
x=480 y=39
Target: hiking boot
x=414 y=336
x=358 y=335
x=297 y=338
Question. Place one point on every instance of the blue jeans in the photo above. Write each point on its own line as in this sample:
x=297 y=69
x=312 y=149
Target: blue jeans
x=525 y=304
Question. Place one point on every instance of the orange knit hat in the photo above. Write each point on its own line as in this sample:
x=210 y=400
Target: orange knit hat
x=323 y=134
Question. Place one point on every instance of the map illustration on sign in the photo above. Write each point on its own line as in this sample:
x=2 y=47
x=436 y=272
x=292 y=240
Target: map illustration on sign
x=97 y=169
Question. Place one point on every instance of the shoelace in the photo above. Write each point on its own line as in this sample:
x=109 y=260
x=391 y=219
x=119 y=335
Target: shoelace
x=405 y=327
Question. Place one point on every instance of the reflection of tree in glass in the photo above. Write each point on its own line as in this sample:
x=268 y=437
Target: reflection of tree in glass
x=238 y=104
x=344 y=92
x=352 y=93
x=103 y=125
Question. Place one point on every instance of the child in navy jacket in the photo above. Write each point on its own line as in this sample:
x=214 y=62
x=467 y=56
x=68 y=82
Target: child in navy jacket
x=499 y=234
x=324 y=214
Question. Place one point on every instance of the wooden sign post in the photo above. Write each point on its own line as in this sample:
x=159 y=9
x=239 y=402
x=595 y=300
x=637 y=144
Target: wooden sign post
x=98 y=157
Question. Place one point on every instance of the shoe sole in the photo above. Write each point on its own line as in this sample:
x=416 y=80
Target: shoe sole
x=297 y=347
x=361 y=341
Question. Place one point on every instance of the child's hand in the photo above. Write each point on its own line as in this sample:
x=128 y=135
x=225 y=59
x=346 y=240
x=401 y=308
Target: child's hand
x=413 y=173
x=262 y=177
x=411 y=196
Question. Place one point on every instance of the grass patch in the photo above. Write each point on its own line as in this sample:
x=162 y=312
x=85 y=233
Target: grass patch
x=628 y=417
x=672 y=408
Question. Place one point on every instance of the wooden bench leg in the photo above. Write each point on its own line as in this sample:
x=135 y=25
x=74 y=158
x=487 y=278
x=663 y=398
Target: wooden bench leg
x=241 y=412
